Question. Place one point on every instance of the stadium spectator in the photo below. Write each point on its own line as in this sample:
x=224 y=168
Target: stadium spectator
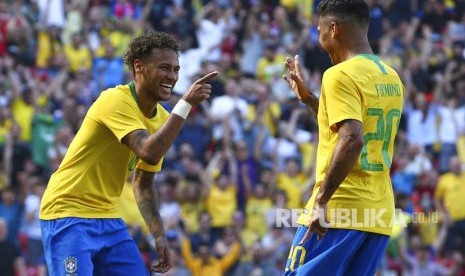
x=11 y=209
x=11 y=261
x=449 y=191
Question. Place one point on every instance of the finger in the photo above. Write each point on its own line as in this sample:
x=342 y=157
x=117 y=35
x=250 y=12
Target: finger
x=306 y=236
x=296 y=78
x=320 y=232
x=207 y=77
x=160 y=267
x=297 y=67
x=286 y=79
x=207 y=87
x=289 y=64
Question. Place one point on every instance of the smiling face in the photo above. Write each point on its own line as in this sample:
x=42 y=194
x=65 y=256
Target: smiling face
x=158 y=74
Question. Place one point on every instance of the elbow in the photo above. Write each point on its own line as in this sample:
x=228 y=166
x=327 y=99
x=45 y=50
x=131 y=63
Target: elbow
x=359 y=143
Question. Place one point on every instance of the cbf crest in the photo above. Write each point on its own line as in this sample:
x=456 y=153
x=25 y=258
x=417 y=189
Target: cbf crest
x=71 y=265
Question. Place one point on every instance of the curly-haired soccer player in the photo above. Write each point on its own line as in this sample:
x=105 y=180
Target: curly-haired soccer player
x=125 y=130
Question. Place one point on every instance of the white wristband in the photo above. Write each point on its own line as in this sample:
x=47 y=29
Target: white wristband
x=182 y=108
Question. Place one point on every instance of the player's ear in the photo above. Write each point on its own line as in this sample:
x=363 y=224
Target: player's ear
x=138 y=64
x=334 y=29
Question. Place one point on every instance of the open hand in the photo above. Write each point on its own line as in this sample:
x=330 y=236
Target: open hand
x=295 y=79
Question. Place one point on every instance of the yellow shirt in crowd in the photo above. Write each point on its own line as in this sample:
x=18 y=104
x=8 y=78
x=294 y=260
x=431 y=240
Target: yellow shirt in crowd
x=79 y=58
x=214 y=266
x=292 y=186
x=451 y=191
x=190 y=215
x=221 y=205
x=255 y=211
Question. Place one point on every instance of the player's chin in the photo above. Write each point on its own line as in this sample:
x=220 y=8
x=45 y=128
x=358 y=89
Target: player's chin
x=163 y=96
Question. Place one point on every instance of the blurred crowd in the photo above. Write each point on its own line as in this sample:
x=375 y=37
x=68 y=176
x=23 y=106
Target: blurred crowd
x=246 y=155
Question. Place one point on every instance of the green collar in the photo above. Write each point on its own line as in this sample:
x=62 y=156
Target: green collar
x=375 y=59
x=133 y=92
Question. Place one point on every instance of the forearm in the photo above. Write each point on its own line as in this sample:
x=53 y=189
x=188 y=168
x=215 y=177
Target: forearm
x=148 y=203
x=345 y=156
x=312 y=103
x=152 y=148
x=160 y=142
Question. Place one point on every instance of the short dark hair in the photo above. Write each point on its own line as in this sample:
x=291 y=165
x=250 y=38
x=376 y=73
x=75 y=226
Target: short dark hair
x=350 y=10
x=142 y=46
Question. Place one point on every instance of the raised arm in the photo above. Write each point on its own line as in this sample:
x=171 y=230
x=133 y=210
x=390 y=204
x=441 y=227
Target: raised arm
x=152 y=148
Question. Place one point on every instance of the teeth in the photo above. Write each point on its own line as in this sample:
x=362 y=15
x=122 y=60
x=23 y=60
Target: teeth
x=167 y=86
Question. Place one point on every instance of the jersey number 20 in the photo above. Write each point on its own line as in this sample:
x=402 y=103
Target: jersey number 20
x=383 y=133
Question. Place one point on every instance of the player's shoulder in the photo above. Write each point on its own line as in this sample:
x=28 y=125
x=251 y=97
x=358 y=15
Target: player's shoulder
x=113 y=99
x=115 y=92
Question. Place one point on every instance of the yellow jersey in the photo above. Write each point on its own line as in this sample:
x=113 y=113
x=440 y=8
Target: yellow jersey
x=292 y=186
x=221 y=205
x=92 y=174
x=255 y=211
x=23 y=114
x=362 y=88
x=451 y=190
x=129 y=211
x=80 y=58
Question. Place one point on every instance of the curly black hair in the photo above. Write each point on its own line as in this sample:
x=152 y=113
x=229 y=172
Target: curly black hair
x=355 y=11
x=142 y=46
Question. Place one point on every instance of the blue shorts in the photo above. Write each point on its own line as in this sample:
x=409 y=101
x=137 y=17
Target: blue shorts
x=79 y=246
x=339 y=252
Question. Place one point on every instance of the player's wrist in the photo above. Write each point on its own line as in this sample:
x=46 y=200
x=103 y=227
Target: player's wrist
x=182 y=108
x=321 y=199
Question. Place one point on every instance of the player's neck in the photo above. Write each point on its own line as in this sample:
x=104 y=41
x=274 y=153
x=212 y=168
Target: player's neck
x=145 y=102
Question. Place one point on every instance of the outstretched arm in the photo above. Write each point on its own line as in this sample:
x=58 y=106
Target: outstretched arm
x=149 y=206
x=152 y=148
x=295 y=79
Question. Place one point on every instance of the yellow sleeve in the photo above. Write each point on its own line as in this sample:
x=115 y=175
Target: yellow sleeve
x=230 y=258
x=186 y=253
x=342 y=98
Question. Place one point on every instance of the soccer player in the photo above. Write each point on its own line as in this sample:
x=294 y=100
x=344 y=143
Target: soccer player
x=125 y=130
x=346 y=224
